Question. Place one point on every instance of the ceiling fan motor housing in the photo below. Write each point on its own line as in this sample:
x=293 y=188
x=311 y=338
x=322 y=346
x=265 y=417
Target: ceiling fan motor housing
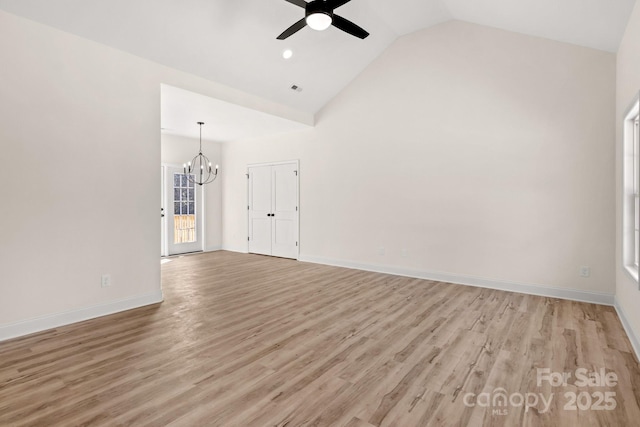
x=318 y=6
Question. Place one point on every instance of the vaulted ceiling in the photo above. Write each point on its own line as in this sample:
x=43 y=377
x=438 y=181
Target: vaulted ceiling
x=234 y=41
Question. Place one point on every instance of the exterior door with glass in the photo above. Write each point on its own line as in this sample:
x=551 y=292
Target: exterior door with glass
x=183 y=213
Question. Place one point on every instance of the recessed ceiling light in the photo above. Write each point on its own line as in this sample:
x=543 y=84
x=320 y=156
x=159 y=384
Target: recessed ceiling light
x=287 y=54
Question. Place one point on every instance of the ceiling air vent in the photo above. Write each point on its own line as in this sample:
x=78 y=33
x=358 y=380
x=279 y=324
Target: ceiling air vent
x=296 y=88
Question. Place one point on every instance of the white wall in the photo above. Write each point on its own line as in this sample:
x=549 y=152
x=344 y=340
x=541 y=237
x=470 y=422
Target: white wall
x=80 y=143
x=484 y=154
x=178 y=150
x=481 y=152
x=627 y=87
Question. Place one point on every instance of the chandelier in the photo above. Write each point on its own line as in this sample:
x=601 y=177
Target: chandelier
x=198 y=170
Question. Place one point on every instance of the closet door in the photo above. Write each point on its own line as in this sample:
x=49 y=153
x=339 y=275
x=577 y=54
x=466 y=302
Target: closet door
x=260 y=229
x=273 y=209
x=284 y=218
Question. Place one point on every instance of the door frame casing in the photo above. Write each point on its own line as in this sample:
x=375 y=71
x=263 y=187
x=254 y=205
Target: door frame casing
x=297 y=228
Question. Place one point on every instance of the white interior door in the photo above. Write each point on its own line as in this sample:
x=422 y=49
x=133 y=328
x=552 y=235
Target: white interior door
x=183 y=213
x=273 y=209
x=163 y=225
x=260 y=210
x=284 y=217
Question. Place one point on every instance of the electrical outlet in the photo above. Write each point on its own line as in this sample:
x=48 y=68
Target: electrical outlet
x=585 y=271
x=106 y=280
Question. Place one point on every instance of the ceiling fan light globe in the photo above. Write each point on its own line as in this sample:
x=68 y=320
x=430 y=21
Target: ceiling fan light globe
x=319 y=21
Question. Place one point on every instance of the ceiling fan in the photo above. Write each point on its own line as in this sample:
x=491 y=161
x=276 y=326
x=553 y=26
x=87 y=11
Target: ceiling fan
x=319 y=16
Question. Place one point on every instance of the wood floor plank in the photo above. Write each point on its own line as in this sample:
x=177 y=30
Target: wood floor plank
x=246 y=340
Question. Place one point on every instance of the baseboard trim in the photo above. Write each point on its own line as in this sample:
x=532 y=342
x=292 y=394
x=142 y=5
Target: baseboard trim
x=523 y=288
x=235 y=249
x=633 y=338
x=26 y=327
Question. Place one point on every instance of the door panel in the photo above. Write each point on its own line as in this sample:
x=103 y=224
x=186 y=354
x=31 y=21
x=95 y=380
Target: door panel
x=260 y=197
x=260 y=239
x=284 y=242
x=260 y=210
x=285 y=202
x=163 y=225
x=285 y=187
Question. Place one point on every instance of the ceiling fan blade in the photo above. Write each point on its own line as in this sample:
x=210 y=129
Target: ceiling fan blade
x=293 y=29
x=349 y=27
x=300 y=3
x=334 y=4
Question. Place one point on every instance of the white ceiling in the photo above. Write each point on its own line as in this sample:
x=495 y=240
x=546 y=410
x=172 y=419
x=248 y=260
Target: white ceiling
x=234 y=41
x=223 y=121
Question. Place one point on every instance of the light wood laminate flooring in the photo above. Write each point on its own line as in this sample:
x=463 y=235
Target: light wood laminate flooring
x=246 y=340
